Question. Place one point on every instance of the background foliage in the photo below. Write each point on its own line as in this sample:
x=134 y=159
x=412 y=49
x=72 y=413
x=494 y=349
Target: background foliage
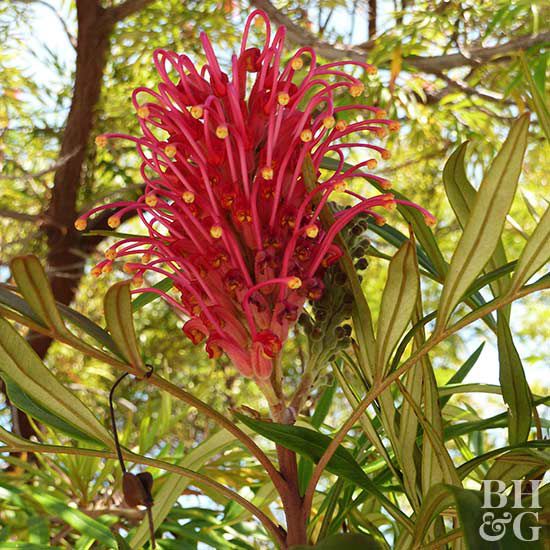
x=451 y=72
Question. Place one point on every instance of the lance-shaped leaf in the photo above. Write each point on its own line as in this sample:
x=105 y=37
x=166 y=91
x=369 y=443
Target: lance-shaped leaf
x=535 y=254
x=515 y=390
x=462 y=195
x=76 y=519
x=486 y=222
x=33 y=284
x=20 y=363
x=118 y=316
x=398 y=302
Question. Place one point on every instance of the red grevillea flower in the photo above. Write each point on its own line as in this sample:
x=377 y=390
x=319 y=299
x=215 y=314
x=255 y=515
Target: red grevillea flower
x=227 y=213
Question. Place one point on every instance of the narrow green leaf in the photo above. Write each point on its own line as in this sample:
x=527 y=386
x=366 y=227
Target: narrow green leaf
x=515 y=389
x=76 y=519
x=118 y=315
x=484 y=227
x=23 y=402
x=22 y=365
x=147 y=297
x=313 y=444
x=535 y=254
x=33 y=283
x=539 y=102
x=462 y=372
x=398 y=302
x=462 y=196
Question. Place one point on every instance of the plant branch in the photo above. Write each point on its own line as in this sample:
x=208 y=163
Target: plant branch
x=429 y=64
x=381 y=385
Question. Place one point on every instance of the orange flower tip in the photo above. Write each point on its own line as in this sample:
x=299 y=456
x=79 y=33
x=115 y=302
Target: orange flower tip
x=113 y=222
x=188 y=197
x=216 y=231
x=146 y=258
x=382 y=113
x=306 y=135
x=137 y=280
x=381 y=132
x=356 y=89
x=390 y=206
x=151 y=200
x=386 y=185
x=385 y=155
x=101 y=141
x=222 y=132
x=394 y=126
x=80 y=224
x=96 y=271
x=110 y=254
x=196 y=111
x=283 y=98
x=341 y=125
x=372 y=70
x=329 y=122
x=430 y=220
x=372 y=164
x=170 y=150
x=380 y=221
x=297 y=63
x=143 y=112
x=312 y=231
x=294 y=283
x=340 y=187
x=107 y=268
x=127 y=268
x=267 y=173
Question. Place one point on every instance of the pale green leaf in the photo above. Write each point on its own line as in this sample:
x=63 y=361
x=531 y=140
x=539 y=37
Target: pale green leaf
x=118 y=315
x=535 y=254
x=486 y=222
x=398 y=302
x=22 y=365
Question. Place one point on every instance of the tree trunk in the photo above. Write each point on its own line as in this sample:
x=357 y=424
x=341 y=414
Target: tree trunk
x=67 y=250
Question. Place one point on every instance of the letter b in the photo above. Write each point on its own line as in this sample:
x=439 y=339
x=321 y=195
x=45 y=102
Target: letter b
x=498 y=492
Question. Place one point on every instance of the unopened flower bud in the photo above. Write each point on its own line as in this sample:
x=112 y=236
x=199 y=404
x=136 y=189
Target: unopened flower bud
x=196 y=111
x=267 y=173
x=80 y=224
x=222 y=132
x=143 y=112
x=283 y=98
x=297 y=63
x=329 y=122
x=306 y=135
x=170 y=150
x=101 y=141
x=216 y=231
x=357 y=89
x=188 y=197
x=312 y=231
x=151 y=200
x=294 y=283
